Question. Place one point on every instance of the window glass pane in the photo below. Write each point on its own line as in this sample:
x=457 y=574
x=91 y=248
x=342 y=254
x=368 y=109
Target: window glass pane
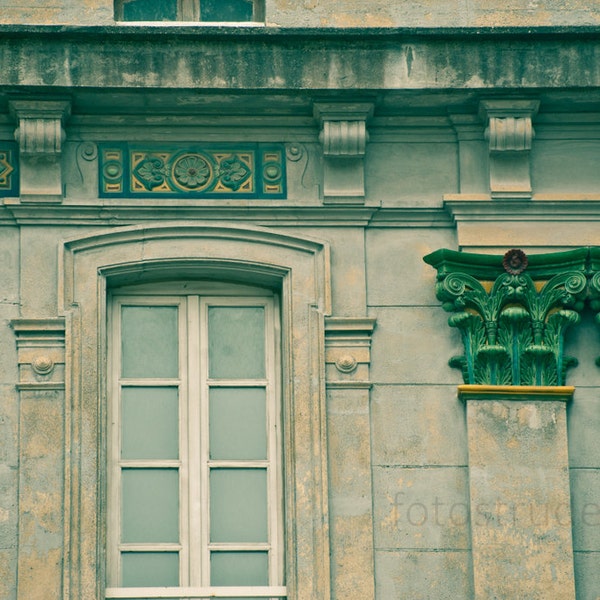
x=149 y=10
x=145 y=569
x=238 y=423
x=236 y=344
x=226 y=10
x=150 y=505
x=150 y=423
x=238 y=505
x=149 y=341
x=239 y=568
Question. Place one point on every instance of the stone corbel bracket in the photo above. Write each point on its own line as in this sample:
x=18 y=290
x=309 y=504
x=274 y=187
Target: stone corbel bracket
x=510 y=134
x=344 y=139
x=40 y=353
x=40 y=134
x=348 y=352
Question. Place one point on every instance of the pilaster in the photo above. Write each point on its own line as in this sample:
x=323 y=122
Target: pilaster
x=510 y=134
x=513 y=312
x=520 y=509
x=41 y=361
x=347 y=359
x=344 y=140
x=40 y=134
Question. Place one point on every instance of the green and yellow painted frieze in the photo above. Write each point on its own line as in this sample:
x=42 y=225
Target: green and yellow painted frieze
x=9 y=169
x=245 y=171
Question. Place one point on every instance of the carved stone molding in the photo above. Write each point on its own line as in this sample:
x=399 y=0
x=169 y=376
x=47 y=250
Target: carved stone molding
x=510 y=133
x=348 y=351
x=344 y=139
x=41 y=353
x=40 y=134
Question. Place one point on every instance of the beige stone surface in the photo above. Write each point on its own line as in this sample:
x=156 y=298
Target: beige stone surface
x=396 y=273
x=423 y=575
x=402 y=346
x=424 y=508
x=519 y=498
x=411 y=425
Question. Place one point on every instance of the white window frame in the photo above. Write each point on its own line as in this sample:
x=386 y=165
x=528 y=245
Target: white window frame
x=194 y=548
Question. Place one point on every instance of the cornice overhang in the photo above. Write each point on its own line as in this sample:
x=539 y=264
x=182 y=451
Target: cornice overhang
x=513 y=311
x=279 y=59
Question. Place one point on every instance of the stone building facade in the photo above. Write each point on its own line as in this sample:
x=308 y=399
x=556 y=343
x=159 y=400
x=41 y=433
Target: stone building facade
x=233 y=236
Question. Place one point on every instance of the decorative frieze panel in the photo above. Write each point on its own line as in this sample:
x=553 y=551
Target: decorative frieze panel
x=513 y=323
x=207 y=171
x=9 y=169
x=41 y=353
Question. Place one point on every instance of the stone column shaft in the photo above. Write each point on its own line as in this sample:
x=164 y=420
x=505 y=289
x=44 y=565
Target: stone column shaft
x=519 y=492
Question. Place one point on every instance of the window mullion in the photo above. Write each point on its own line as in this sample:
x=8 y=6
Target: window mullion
x=184 y=470
x=194 y=435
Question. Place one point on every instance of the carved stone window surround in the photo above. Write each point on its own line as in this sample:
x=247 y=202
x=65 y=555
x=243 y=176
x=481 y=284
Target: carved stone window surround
x=299 y=268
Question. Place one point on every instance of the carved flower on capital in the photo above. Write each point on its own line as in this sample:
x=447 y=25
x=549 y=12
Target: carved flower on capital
x=515 y=261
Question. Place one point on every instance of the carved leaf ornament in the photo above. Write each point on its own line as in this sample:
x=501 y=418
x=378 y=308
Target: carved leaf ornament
x=513 y=324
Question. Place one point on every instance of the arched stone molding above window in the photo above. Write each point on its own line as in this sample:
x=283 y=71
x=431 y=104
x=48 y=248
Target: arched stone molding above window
x=298 y=269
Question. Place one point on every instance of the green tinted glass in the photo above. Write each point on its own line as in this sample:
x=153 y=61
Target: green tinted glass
x=150 y=503
x=149 y=341
x=150 y=423
x=226 y=10
x=238 y=505
x=236 y=342
x=149 y=10
x=239 y=568
x=238 y=423
x=146 y=569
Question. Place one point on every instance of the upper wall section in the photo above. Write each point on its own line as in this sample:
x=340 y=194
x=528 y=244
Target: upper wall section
x=342 y=13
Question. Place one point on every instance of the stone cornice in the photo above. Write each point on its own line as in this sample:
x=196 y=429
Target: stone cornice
x=267 y=213
x=376 y=59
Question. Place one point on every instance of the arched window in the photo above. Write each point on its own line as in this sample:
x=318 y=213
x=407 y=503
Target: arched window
x=194 y=412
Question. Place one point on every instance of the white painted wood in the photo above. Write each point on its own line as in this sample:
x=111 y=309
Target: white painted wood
x=194 y=462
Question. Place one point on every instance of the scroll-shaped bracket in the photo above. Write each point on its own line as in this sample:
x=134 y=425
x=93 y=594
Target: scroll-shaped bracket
x=344 y=139
x=512 y=325
x=40 y=134
x=510 y=133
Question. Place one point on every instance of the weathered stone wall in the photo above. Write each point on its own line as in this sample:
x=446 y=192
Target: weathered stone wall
x=397 y=434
